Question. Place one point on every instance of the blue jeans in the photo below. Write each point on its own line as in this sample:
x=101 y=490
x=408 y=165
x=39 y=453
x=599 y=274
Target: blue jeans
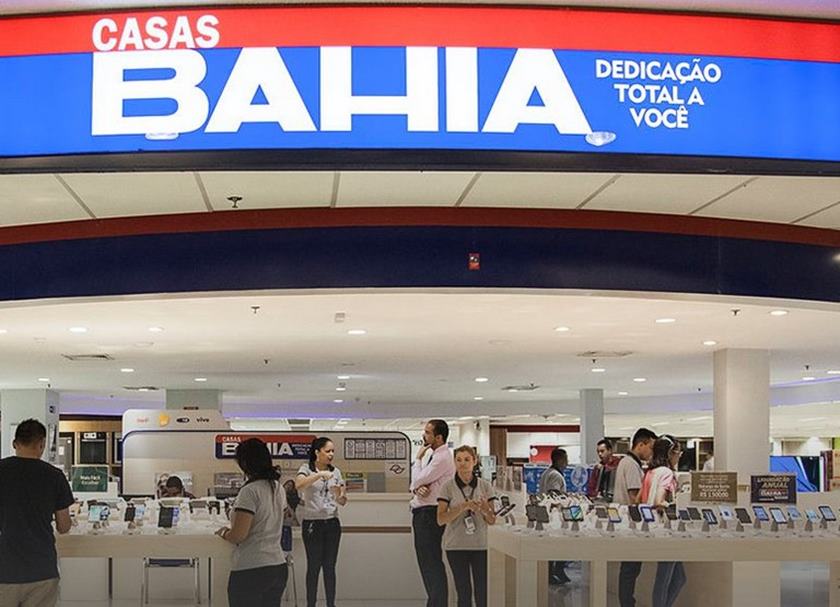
x=627 y=575
x=670 y=579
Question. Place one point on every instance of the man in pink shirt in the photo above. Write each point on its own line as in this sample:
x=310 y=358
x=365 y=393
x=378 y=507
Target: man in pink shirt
x=426 y=481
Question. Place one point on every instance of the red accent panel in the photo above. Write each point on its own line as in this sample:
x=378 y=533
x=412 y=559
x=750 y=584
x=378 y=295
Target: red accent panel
x=460 y=26
x=417 y=216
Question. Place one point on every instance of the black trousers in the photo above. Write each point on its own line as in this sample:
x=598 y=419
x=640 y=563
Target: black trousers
x=261 y=587
x=469 y=570
x=427 y=538
x=321 y=540
x=627 y=575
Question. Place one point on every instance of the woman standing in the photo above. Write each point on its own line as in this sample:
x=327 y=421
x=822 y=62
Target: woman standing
x=323 y=491
x=658 y=489
x=465 y=506
x=258 y=571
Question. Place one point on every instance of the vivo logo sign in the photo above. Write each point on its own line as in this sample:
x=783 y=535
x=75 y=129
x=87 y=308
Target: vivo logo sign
x=264 y=71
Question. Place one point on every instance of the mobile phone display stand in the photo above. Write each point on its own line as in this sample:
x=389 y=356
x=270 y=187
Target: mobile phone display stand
x=809 y=526
x=610 y=527
x=739 y=527
x=774 y=527
x=724 y=525
x=757 y=524
x=565 y=524
x=823 y=524
x=540 y=526
x=681 y=527
x=667 y=523
x=510 y=520
x=575 y=527
x=645 y=527
x=632 y=525
x=599 y=524
x=530 y=524
x=791 y=525
x=705 y=528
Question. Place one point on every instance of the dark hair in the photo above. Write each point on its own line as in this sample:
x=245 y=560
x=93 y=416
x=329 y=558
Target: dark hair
x=318 y=444
x=642 y=435
x=440 y=428
x=175 y=482
x=662 y=449
x=29 y=432
x=606 y=442
x=557 y=454
x=466 y=449
x=254 y=458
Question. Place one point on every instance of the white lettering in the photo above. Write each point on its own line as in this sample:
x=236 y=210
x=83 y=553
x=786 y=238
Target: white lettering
x=99 y=39
x=208 y=32
x=156 y=32
x=182 y=34
x=131 y=35
x=462 y=90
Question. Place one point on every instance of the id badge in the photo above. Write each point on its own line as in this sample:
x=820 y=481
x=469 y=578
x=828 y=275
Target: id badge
x=469 y=523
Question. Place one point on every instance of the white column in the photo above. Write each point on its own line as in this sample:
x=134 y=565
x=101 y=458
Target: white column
x=18 y=405
x=194 y=399
x=591 y=424
x=483 y=435
x=742 y=445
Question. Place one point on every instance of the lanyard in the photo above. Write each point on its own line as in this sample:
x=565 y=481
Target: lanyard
x=472 y=492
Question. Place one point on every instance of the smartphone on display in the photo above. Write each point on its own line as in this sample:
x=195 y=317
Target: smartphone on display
x=694 y=513
x=647 y=514
x=506 y=510
x=761 y=514
x=576 y=513
x=671 y=512
x=601 y=512
x=567 y=514
x=541 y=512
x=505 y=500
x=140 y=512
x=130 y=513
x=743 y=516
x=778 y=515
x=166 y=517
x=684 y=516
x=614 y=514
x=530 y=512
x=812 y=516
x=95 y=513
x=709 y=516
x=726 y=513
x=633 y=512
x=827 y=514
x=793 y=513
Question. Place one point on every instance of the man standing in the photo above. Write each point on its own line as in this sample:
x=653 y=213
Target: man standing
x=602 y=480
x=32 y=493
x=426 y=482
x=628 y=484
x=554 y=480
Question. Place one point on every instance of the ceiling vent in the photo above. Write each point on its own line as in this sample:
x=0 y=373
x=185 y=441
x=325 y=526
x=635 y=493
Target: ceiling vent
x=605 y=354
x=522 y=388
x=88 y=357
x=299 y=424
x=141 y=388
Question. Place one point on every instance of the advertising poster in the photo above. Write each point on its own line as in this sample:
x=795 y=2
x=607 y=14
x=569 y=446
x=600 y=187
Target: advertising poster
x=89 y=479
x=281 y=447
x=531 y=474
x=773 y=489
x=714 y=487
x=355 y=482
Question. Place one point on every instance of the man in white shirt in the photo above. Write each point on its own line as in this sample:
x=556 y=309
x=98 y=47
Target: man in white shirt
x=427 y=479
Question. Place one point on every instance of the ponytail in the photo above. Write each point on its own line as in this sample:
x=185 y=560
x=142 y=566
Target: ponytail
x=317 y=444
x=254 y=459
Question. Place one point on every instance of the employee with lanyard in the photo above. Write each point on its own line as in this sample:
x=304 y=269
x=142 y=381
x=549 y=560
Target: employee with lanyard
x=428 y=475
x=323 y=491
x=553 y=479
x=465 y=506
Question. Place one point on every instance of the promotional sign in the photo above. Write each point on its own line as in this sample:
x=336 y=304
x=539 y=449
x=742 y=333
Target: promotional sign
x=447 y=78
x=714 y=487
x=773 y=489
x=89 y=479
x=286 y=446
x=531 y=474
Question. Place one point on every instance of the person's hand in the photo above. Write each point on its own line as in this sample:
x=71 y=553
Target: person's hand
x=222 y=532
x=422 y=451
x=341 y=500
x=325 y=475
x=423 y=491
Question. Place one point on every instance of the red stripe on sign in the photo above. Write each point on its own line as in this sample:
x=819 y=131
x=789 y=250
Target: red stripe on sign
x=556 y=28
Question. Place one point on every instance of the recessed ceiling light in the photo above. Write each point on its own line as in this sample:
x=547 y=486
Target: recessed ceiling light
x=3 y=331
x=338 y=400
x=478 y=398
x=356 y=332
x=142 y=389
x=44 y=379
x=657 y=424
x=710 y=342
x=640 y=380
x=665 y=321
x=778 y=313
x=155 y=329
x=343 y=377
x=341 y=389
x=833 y=371
x=482 y=380
x=126 y=370
x=200 y=379
x=562 y=329
x=598 y=370
x=623 y=393
x=808 y=378
x=78 y=329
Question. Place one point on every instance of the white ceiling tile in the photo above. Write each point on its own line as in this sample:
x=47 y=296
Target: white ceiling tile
x=26 y=199
x=663 y=193
x=270 y=189
x=395 y=189
x=543 y=190
x=830 y=218
x=123 y=194
x=779 y=199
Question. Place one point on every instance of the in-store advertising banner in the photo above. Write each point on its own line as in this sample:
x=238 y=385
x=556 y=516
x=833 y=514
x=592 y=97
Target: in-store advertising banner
x=280 y=446
x=773 y=489
x=714 y=487
x=456 y=78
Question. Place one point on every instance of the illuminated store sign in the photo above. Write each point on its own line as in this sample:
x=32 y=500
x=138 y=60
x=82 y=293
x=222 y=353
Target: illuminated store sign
x=509 y=79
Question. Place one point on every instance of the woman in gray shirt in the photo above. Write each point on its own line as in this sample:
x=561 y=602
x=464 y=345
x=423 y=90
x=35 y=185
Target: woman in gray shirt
x=258 y=572
x=323 y=491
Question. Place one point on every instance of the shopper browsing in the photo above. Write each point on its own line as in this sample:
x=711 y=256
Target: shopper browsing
x=323 y=491
x=258 y=572
x=659 y=489
x=628 y=483
x=428 y=475
x=465 y=506
x=32 y=494
x=175 y=488
x=553 y=479
x=602 y=480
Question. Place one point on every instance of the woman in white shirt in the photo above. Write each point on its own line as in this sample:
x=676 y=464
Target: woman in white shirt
x=659 y=489
x=258 y=571
x=322 y=491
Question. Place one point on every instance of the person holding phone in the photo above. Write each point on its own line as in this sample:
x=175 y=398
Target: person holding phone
x=659 y=489
x=258 y=571
x=322 y=490
x=465 y=506
x=433 y=467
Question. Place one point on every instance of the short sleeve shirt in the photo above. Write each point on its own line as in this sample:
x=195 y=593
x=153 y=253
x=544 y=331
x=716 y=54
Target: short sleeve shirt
x=552 y=480
x=628 y=477
x=661 y=477
x=319 y=501
x=454 y=492
x=262 y=546
x=31 y=492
